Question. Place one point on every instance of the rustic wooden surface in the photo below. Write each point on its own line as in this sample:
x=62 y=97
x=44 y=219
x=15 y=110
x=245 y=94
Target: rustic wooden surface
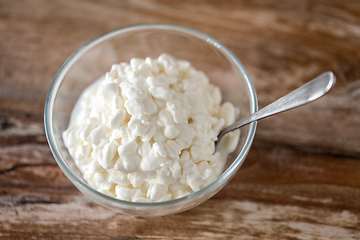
x=301 y=179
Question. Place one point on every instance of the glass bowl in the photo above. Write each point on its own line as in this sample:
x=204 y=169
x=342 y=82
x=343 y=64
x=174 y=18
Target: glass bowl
x=95 y=58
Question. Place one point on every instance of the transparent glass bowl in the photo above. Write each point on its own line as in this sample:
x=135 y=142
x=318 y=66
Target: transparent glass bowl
x=95 y=58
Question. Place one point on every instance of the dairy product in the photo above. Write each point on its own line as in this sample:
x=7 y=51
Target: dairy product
x=145 y=132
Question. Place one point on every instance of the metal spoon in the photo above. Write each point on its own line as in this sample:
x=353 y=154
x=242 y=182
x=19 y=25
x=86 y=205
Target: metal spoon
x=306 y=93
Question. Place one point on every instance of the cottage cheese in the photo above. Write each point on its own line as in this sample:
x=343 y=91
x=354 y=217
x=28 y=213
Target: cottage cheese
x=145 y=132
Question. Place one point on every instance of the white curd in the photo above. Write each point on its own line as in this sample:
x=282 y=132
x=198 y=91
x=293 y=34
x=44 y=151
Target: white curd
x=145 y=132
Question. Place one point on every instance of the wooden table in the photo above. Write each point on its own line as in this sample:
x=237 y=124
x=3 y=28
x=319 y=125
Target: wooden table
x=301 y=179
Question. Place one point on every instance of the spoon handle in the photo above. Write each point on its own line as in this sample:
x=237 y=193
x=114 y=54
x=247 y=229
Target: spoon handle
x=308 y=92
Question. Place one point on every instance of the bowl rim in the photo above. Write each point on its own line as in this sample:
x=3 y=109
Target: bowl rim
x=49 y=105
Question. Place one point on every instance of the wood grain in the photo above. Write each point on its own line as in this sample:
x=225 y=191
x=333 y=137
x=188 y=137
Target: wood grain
x=301 y=179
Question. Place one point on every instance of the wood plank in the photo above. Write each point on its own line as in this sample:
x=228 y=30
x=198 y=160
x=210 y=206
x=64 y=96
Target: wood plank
x=301 y=179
